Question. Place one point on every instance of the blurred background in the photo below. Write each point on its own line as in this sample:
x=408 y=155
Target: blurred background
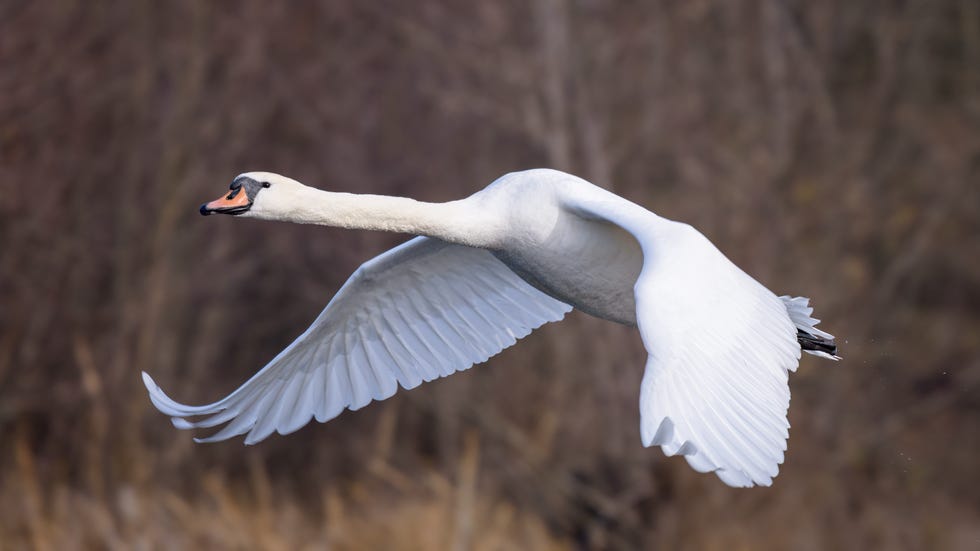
x=831 y=149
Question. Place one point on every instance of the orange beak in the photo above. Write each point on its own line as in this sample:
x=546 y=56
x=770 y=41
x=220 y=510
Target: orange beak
x=235 y=202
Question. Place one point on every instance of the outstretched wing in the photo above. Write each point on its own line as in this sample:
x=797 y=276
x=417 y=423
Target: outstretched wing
x=420 y=311
x=720 y=348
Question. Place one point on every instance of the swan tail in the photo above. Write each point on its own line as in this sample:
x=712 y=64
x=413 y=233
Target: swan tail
x=812 y=340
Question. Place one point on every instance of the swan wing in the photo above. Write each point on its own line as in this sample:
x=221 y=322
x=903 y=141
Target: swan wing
x=720 y=346
x=420 y=311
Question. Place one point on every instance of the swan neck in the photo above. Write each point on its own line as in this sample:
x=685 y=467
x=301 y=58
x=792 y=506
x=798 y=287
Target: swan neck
x=450 y=221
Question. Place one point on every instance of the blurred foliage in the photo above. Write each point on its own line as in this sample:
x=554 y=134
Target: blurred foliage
x=832 y=149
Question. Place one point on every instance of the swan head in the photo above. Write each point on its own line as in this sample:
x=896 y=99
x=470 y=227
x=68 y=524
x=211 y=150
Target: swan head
x=256 y=195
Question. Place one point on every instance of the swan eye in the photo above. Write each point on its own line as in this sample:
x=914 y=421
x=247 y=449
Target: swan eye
x=266 y=184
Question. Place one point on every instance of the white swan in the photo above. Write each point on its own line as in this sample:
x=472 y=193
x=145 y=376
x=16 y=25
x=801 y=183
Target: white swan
x=504 y=261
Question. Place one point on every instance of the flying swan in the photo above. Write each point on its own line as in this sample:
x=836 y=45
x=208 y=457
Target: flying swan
x=494 y=266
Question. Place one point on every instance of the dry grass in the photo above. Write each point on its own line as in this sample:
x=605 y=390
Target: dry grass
x=424 y=511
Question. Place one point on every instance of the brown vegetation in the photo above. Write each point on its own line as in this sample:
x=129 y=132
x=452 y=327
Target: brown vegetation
x=830 y=148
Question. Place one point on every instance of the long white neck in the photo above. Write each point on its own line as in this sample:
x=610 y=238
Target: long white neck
x=455 y=221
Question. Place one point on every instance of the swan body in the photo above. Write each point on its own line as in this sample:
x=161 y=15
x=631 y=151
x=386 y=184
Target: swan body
x=490 y=268
x=586 y=263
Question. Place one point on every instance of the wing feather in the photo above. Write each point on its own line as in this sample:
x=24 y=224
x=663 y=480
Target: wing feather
x=720 y=349
x=423 y=310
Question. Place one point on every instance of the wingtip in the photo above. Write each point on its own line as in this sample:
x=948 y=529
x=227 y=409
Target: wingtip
x=736 y=478
x=168 y=406
x=663 y=435
x=181 y=423
x=159 y=399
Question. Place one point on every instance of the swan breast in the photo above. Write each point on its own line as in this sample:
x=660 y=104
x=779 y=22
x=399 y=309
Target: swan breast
x=588 y=264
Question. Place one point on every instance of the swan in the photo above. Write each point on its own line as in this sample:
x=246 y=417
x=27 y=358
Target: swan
x=487 y=270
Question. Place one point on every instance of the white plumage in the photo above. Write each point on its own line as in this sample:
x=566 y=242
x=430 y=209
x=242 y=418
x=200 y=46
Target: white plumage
x=420 y=311
x=499 y=264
